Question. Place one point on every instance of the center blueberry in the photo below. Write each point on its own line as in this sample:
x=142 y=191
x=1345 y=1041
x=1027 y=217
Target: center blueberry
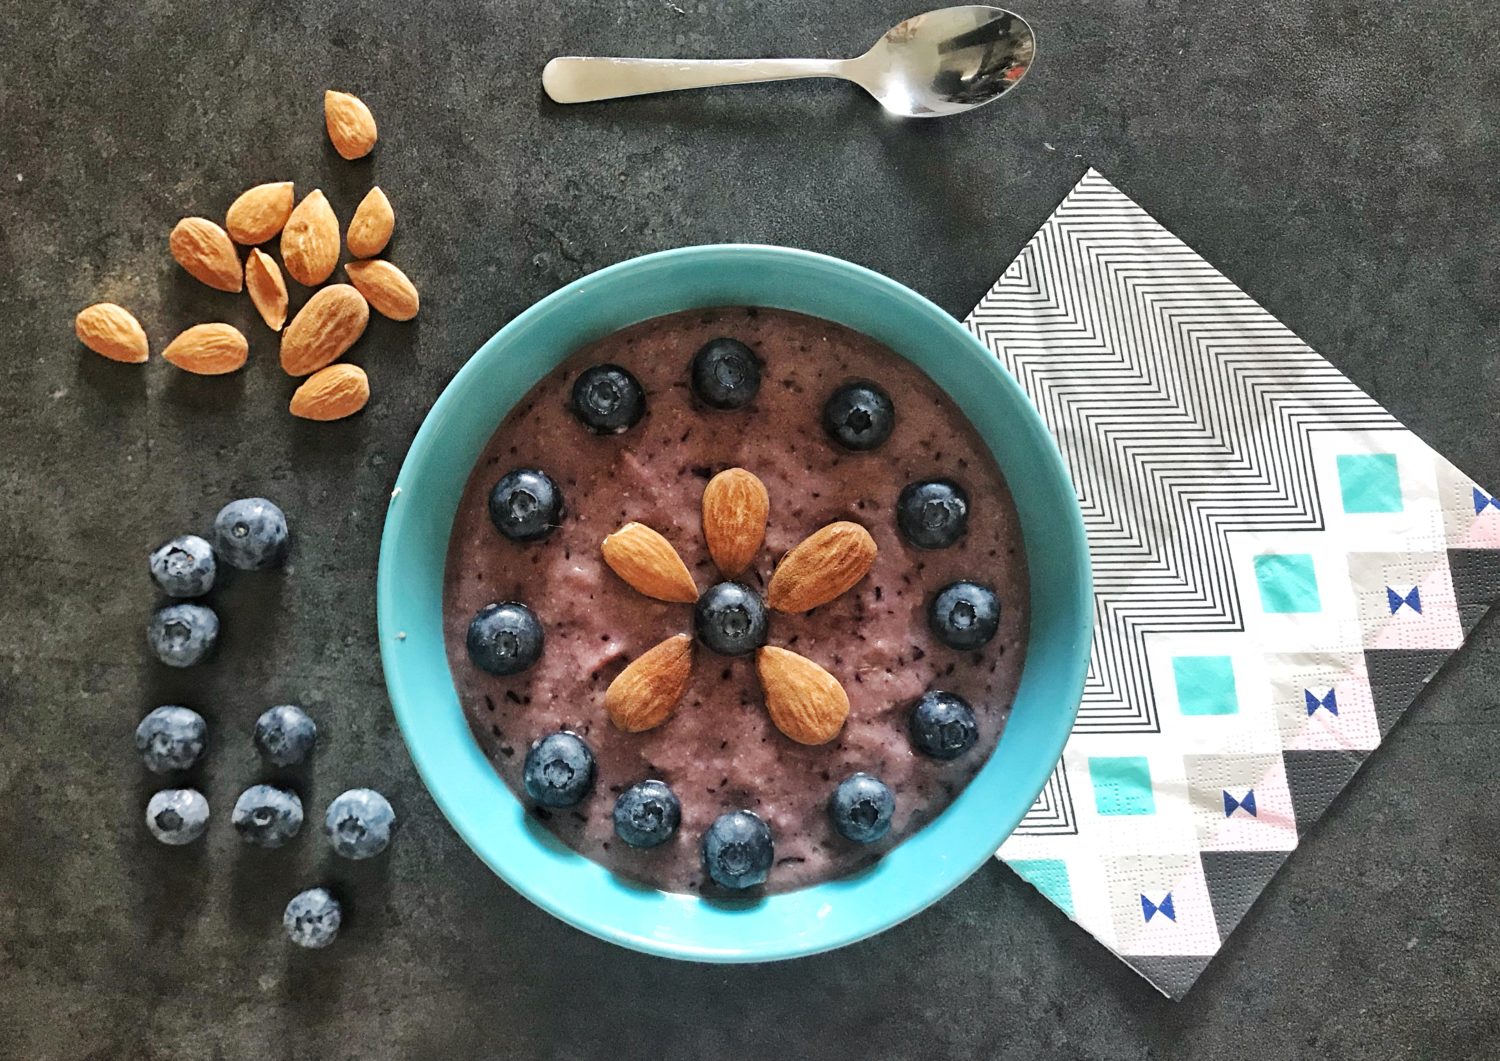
x=730 y=618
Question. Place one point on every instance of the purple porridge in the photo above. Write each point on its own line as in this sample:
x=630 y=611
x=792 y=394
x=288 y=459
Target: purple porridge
x=719 y=751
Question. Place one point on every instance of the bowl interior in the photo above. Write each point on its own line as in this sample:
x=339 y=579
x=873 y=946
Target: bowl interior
x=474 y=798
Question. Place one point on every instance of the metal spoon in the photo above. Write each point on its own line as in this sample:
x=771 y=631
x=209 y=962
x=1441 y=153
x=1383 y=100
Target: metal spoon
x=942 y=62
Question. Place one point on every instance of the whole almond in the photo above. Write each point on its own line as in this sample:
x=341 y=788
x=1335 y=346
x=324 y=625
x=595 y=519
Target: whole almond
x=735 y=507
x=371 y=226
x=208 y=350
x=332 y=393
x=386 y=288
x=323 y=329
x=310 y=240
x=204 y=250
x=804 y=701
x=821 y=567
x=351 y=126
x=645 y=693
x=259 y=213
x=111 y=331
x=648 y=563
x=267 y=288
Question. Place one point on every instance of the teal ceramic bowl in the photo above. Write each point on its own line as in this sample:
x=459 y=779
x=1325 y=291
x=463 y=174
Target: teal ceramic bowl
x=488 y=816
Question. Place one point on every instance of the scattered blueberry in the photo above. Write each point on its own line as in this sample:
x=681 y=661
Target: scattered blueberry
x=738 y=850
x=312 y=918
x=726 y=374
x=964 y=615
x=170 y=738
x=177 y=815
x=859 y=416
x=267 y=816
x=182 y=634
x=285 y=734
x=942 y=725
x=647 y=814
x=933 y=513
x=862 y=808
x=505 y=638
x=559 y=770
x=359 y=823
x=184 y=566
x=250 y=534
x=526 y=505
x=730 y=618
x=608 y=399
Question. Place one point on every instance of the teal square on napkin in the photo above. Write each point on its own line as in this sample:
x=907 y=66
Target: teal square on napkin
x=1048 y=876
x=1288 y=583
x=1122 y=784
x=1369 y=482
x=1205 y=685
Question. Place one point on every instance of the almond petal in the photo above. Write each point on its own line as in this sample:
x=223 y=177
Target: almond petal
x=204 y=250
x=351 y=126
x=386 y=288
x=820 y=568
x=804 y=701
x=260 y=213
x=323 y=329
x=647 y=561
x=208 y=350
x=735 y=508
x=310 y=240
x=645 y=693
x=332 y=393
x=371 y=226
x=267 y=288
x=111 y=331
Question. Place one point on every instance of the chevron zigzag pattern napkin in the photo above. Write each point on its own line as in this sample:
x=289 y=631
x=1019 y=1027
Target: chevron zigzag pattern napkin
x=1279 y=568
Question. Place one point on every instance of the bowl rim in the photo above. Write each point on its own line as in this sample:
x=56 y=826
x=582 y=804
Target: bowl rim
x=478 y=827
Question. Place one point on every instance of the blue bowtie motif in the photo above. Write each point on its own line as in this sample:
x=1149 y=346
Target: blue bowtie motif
x=1150 y=909
x=1247 y=804
x=1412 y=600
x=1483 y=501
x=1329 y=703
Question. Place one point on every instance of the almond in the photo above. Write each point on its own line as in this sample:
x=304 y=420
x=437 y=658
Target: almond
x=259 y=213
x=386 y=288
x=323 y=329
x=371 y=226
x=806 y=702
x=111 y=331
x=822 y=566
x=310 y=240
x=208 y=350
x=644 y=694
x=204 y=250
x=648 y=562
x=351 y=126
x=332 y=393
x=735 y=507
x=267 y=288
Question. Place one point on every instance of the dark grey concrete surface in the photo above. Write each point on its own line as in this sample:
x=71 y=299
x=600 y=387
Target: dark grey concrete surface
x=1337 y=158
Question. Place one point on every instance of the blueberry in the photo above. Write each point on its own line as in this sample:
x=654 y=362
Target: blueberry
x=726 y=374
x=184 y=566
x=730 y=619
x=182 y=634
x=177 y=815
x=942 y=725
x=285 y=734
x=964 y=615
x=170 y=738
x=359 y=823
x=526 y=505
x=559 y=770
x=738 y=850
x=859 y=415
x=608 y=399
x=647 y=814
x=250 y=534
x=267 y=816
x=312 y=918
x=505 y=638
x=862 y=808
x=933 y=513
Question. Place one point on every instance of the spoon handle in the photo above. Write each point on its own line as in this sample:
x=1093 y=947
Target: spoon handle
x=578 y=79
